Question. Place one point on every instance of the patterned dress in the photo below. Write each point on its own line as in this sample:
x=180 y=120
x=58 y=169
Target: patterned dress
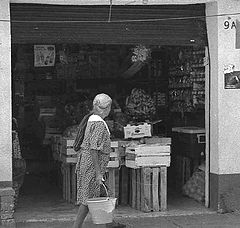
x=96 y=137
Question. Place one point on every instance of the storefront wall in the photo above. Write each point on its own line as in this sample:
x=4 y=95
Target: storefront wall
x=6 y=191
x=5 y=94
x=224 y=109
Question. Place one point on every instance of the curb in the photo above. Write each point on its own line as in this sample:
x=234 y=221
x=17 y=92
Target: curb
x=119 y=216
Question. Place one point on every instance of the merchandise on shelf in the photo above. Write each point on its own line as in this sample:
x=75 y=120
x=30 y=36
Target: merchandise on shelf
x=140 y=105
x=159 y=98
x=198 y=79
x=187 y=81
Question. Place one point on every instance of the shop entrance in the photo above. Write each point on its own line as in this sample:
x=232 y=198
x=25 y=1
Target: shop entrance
x=50 y=97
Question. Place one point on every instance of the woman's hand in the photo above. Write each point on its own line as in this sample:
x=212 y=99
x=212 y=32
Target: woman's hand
x=99 y=178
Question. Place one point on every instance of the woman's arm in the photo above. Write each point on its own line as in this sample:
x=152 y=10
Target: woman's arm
x=99 y=176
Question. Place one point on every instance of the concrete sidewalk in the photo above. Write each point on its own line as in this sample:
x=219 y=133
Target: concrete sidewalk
x=214 y=220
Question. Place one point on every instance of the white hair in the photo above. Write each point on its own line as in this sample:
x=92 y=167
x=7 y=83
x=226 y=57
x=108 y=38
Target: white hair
x=101 y=103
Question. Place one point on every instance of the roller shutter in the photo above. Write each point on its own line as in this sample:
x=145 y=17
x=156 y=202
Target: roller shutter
x=36 y=23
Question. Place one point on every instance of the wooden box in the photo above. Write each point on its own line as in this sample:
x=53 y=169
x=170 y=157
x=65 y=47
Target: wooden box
x=149 y=189
x=117 y=154
x=148 y=155
x=114 y=156
x=69 y=182
x=113 y=182
x=47 y=111
x=49 y=133
x=158 y=140
x=68 y=154
x=56 y=142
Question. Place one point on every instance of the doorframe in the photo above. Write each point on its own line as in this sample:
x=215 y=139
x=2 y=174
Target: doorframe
x=207 y=125
x=207 y=116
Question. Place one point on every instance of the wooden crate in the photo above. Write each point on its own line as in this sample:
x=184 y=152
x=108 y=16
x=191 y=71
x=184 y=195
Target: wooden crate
x=69 y=188
x=49 y=133
x=148 y=155
x=68 y=154
x=56 y=142
x=47 y=111
x=114 y=155
x=124 y=185
x=183 y=171
x=149 y=189
x=158 y=140
x=69 y=159
x=113 y=182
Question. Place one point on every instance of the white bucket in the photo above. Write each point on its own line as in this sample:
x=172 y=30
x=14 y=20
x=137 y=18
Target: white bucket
x=101 y=209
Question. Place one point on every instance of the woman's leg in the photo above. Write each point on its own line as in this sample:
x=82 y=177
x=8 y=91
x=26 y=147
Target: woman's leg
x=81 y=215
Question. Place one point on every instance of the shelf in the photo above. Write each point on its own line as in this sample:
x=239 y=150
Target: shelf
x=198 y=92
x=183 y=84
x=180 y=87
x=201 y=80
x=198 y=53
x=177 y=100
x=197 y=66
x=179 y=74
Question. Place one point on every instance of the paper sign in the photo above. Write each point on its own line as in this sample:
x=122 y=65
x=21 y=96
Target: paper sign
x=44 y=55
x=232 y=80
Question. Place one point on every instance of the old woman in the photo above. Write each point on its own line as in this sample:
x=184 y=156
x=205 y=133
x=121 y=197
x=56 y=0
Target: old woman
x=94 y=146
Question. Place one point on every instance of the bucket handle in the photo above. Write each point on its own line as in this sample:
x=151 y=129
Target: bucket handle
x=108 y=198
x=105 y=188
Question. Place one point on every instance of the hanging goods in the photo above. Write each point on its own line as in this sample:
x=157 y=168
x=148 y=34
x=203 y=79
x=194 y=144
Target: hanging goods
x=101 y=208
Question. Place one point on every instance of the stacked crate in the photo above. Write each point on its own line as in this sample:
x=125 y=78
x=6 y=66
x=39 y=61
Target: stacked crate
x=68 y=154
x=56 y=142
x=149 y=189
x=48 y=115
x=69 y=160
x=113 y=174
x=116 y=161
x=144 y=155
x=149 y=164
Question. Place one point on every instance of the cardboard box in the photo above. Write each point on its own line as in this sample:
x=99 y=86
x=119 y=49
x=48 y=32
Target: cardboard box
x=137 y=131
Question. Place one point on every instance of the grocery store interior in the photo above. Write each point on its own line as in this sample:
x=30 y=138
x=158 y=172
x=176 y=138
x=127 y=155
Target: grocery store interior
x=53 y=85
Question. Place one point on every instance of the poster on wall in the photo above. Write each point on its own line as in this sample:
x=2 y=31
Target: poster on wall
x=232 y=80
x=44 y=55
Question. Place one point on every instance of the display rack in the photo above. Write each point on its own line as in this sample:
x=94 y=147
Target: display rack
x=180 y=84
x=187 y=81
x=198 y=79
